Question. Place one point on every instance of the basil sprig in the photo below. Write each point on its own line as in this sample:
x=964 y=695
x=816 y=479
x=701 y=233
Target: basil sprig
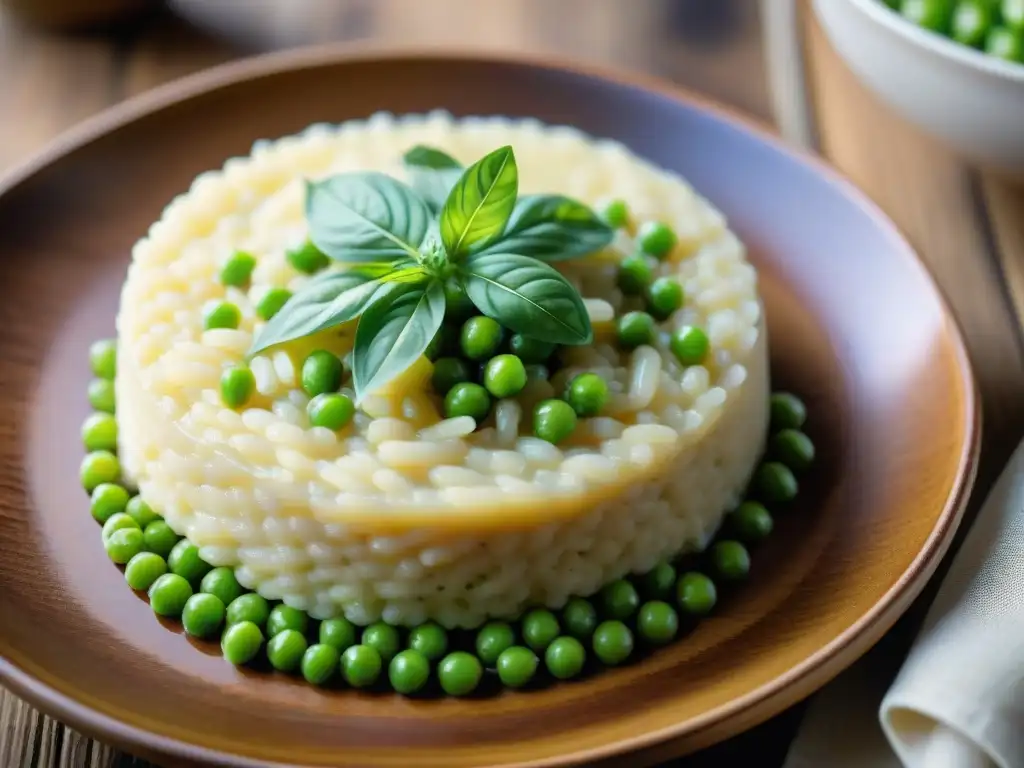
x=403 y=242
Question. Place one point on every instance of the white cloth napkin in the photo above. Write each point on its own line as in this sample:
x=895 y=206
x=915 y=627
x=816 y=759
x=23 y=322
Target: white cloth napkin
x=958 y=699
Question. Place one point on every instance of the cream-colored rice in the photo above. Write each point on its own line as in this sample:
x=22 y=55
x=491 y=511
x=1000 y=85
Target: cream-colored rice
x=404 y=516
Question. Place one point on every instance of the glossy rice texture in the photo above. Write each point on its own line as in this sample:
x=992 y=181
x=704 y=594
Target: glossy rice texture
x=405 y=516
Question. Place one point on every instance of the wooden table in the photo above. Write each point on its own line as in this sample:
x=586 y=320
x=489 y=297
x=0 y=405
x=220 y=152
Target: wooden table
x=968 y=227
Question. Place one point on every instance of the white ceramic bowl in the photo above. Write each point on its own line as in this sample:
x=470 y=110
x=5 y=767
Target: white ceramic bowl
x=972 y=101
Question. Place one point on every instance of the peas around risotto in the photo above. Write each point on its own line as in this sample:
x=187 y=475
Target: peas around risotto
x=579 y=617
x=241 y=642
x=696 y=594
x=565 y=657
x=99 y=432
x=103 y=358
x=284 y=617
x=222 y=584
x=101 y=395
x=361 y=666
x=516 y=666
x=657 y=622
x=492 y=640
x=383 y=638
x=97 y=468
x=144 y=569
x=320 y=663
x=612 y=642
x=459 y=673
x=409 y=671
x=430 y=639
x=338 y=633
x=168 y=595
x=203 y=615
x=286 y=649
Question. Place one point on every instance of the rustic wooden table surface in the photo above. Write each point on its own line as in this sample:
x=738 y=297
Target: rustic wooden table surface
x=968 y=227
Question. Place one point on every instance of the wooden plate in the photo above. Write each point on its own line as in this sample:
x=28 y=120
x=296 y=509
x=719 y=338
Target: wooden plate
x=856 y=326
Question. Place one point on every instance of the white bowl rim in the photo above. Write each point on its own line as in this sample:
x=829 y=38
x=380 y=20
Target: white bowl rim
x=938 y=44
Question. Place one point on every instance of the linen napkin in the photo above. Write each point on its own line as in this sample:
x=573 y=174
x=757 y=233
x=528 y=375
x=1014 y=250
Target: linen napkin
x=957 y=701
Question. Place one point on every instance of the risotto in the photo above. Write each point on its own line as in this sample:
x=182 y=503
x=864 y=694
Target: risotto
x=411 y=511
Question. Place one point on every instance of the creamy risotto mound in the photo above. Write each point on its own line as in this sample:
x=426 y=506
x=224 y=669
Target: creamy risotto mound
x=405 y=515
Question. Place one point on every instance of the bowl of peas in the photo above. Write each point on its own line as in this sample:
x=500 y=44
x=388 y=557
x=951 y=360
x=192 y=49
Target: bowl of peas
x=955 y=68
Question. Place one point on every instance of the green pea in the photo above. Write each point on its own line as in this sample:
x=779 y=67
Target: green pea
x=338 y=633
x=203 y=615
x=516 y=666
x=160 y=538
x=321 y=372
x=634 y=275
x=690 y=345
x=123 y=545
x=787 y=411
x=775 y=483
x=271 y=302
x=430 y=639
x=360 y=666
x=529 y=349
x=480 y=337
x=540 y=627
x=383 y=638
x=459 y=673
x=1012 y=13
x=139 y=511
x=930 y=14
x=467 y=399
x=107 y=500
x=319 y=663
x=249 y=607
x=615 y=213
x=1005 y=43
x=613 y=642
x=307 y=258
x=664 y=296
x=565 y=657
x=553 y=420
x=588 y=394
x=656 y=238
x=449 y=371
x=635 y=329
x=143 y=569
x=793 y=448
x=241 y=642
x=99 y=432
x=971 y=21
x=492 y=639
x=185 y=561
x=117 y=522
x=579 y=617
x=99 y=467
x=751 y=522
x=237 y=270
x=222 y=315
x=504 y=376
x=408 y=672
x=168 y=595
x=659 y=582
x=222 y=584
x=658 y=622
x=619 y=599
x=286 y=650
x=237 y=385
x=457 y=305
x=101 y=395
x=332 y=411
x=730 y=560
x=696 y=594
x=284 y=617
x=103 y=358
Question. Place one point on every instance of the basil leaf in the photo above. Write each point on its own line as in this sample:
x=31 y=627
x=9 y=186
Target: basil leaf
x=527 y=296
x=365 y=217
x=328 y=299
x=422 y=156
x=432 y=173
x=394 y=331
x=480 y=204
x=552 y=228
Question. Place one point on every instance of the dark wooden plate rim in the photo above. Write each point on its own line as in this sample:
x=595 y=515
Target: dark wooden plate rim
x=758 y=705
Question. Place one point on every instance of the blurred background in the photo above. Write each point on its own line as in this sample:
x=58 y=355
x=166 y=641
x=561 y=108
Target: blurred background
x=61 y=60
